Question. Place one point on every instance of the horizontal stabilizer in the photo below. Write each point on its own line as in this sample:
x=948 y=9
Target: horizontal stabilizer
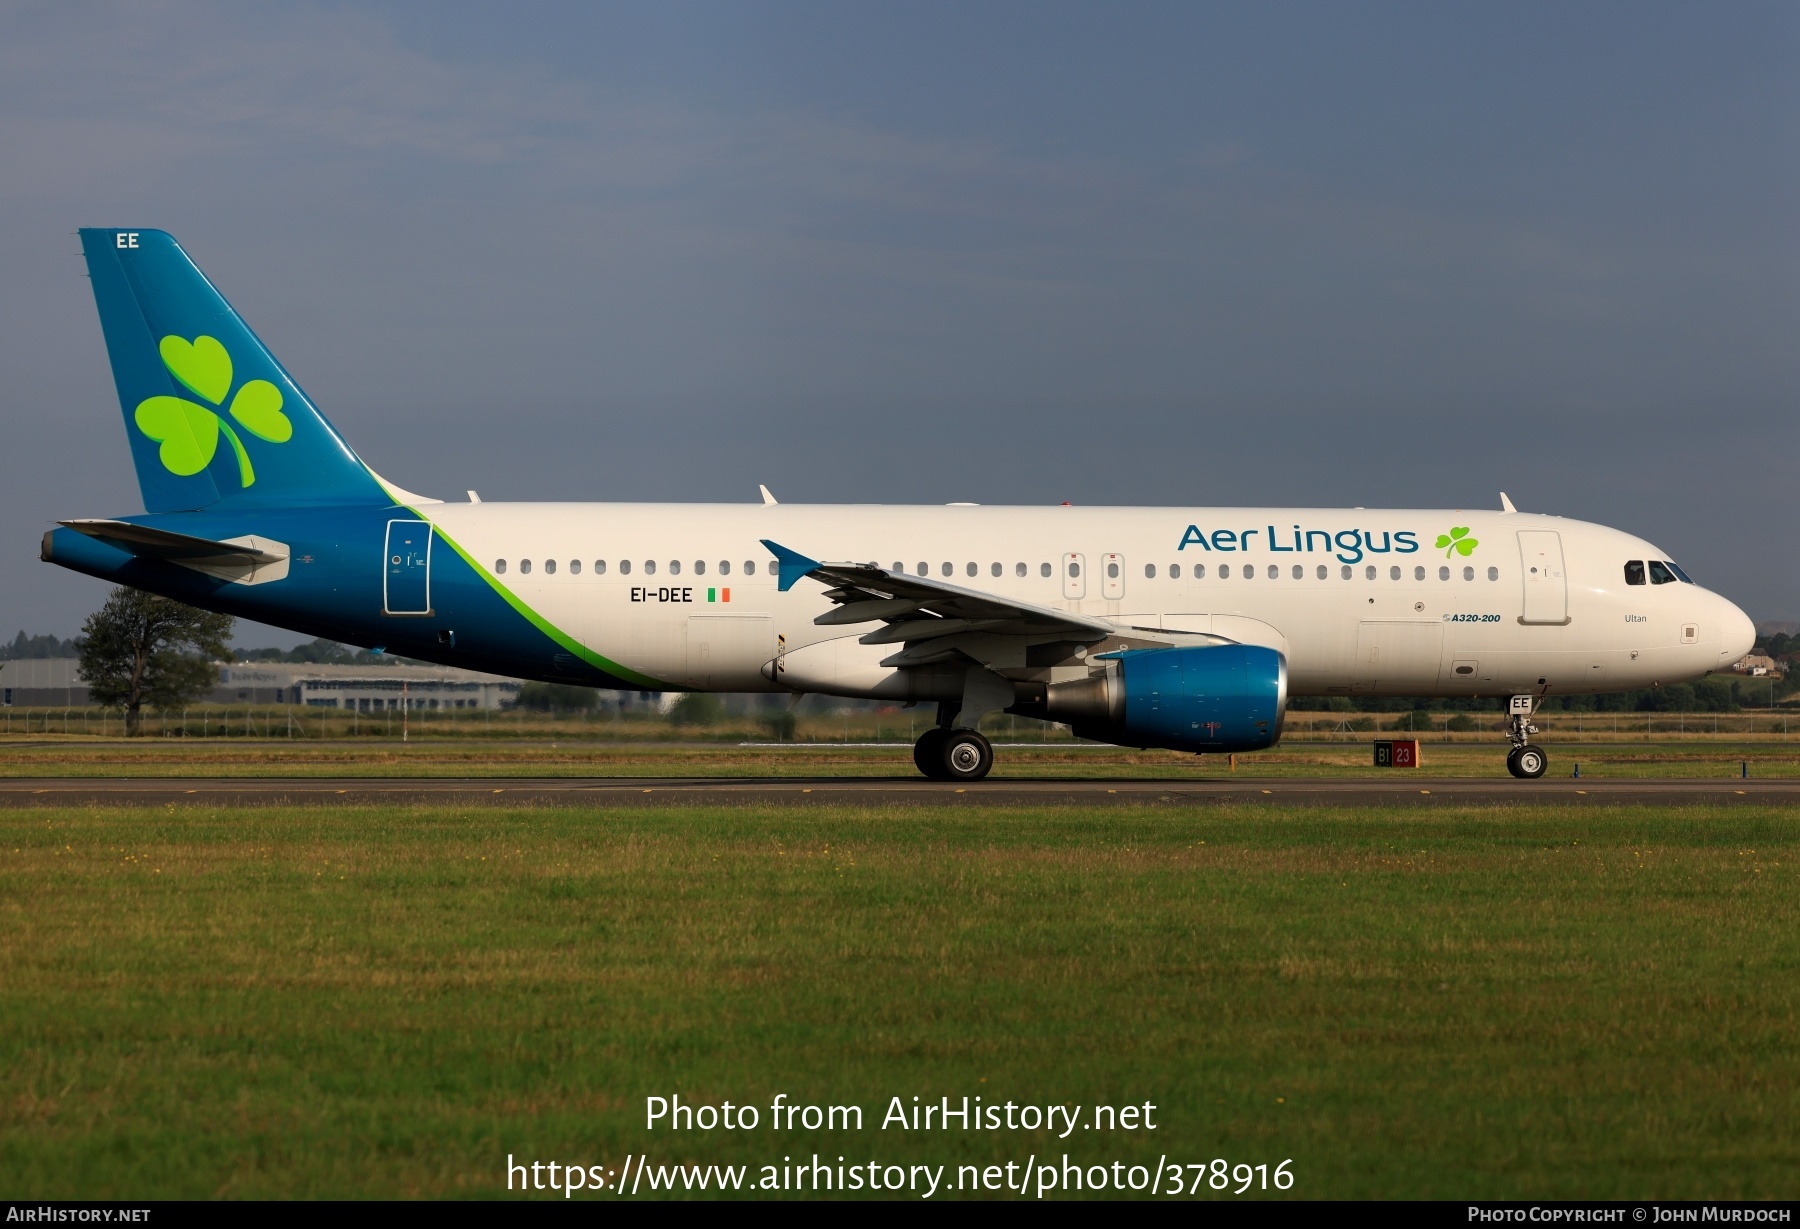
x=175 y=547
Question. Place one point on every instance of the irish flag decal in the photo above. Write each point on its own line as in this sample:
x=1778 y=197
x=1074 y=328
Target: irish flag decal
x=718 y=595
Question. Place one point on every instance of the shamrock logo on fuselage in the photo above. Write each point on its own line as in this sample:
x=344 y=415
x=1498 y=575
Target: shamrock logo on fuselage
x=1458 y=542
x=188 y=432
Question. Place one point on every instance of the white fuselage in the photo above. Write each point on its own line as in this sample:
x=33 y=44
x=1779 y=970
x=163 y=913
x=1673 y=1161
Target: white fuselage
x=1360 y=601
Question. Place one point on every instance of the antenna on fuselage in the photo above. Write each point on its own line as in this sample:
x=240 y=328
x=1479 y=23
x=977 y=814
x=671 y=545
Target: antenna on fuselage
x=769 y=500
x=1506 y=504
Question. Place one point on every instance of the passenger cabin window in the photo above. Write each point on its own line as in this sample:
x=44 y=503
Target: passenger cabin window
x=1634 y=572
x=1224 y=571
x=948 y=569
x=674 y=567
x=1419 y=572
x=1074 y=569
x=971 y=569
x=525 y=567
x=924 y=569
x=599 y=567
x=995 y=570
x=1018 y=569
x=1394 y=572
x=699 y=567
x=1468 y=573
x=1493 y=573
x=1443 y=573
x=749 y=567
x=725 y=567
x=1199 y=571
x=1274 y=571
x=1348 y=571
x=1369 y=572
x=1323 y=571
x=574 y=567
x=1174 y=571
x=549 y=567
x=649 y=567
x=1660 y=574
x=499 y=567
x=1044 y=570
x=624 y=567
x=1149 y=571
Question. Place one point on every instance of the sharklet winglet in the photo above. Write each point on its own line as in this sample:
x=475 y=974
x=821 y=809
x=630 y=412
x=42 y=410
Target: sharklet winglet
x=790 y=566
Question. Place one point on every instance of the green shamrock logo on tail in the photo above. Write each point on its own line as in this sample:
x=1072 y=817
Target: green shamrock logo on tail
x=188 y=432
x=1458 y=542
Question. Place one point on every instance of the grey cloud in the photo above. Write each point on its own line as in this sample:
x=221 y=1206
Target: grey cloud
x=666 y=291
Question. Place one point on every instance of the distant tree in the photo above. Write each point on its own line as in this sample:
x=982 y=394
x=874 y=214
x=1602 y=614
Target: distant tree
x=30 y=648
x=1775 y=645
x=558 y=698
x=327 y=653
x=142 y=649
x=696 y=708
x=780 y=724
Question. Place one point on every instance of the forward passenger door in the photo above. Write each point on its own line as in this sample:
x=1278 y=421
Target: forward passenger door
x=1546 y=596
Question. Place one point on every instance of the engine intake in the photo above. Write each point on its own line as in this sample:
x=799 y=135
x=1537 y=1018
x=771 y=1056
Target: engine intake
x=1222 y=697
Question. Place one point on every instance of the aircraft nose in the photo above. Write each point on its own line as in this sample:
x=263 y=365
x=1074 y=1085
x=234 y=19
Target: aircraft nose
x=1737 y=634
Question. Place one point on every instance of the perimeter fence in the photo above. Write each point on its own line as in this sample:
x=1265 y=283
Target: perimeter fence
x=898 y=726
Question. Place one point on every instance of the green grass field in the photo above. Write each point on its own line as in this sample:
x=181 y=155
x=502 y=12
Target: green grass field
x=40 y=756
x=1466 y=1002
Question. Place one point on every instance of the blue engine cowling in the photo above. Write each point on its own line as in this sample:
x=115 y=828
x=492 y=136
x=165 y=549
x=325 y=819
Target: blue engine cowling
x=1222 y=697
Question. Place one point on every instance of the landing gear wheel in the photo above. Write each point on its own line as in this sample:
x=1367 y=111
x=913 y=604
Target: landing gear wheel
x=1527 y=762
x=966 y=756
x=928 y=753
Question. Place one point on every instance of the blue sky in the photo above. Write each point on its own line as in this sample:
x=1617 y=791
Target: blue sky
x=1328 y=254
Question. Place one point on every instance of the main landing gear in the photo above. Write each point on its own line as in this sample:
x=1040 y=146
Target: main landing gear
x=1526 y=759
x=953 y=755
x=954 y=750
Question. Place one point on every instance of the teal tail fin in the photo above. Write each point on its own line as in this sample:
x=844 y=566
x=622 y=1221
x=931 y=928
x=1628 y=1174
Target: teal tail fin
x=210 y=413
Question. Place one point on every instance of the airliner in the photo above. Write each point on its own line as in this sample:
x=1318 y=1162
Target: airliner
x=1179 y=628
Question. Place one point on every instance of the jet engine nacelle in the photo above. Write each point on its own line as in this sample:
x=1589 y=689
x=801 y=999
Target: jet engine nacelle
x=1222 y=697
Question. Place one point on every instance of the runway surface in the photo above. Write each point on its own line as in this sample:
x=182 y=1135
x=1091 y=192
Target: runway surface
x=796 y=791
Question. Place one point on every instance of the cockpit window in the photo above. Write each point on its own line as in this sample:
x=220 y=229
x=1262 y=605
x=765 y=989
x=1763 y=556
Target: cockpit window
x=1676 y=568
x=1634 y=572
x=1660 y=574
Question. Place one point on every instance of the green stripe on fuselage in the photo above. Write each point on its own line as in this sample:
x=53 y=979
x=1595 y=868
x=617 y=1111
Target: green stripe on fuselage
x=556 y=634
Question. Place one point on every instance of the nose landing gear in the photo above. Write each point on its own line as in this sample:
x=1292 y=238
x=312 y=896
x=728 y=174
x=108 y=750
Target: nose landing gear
x=1525 y=760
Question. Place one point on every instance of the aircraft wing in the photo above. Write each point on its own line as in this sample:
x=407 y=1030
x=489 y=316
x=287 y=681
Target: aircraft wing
x=918 y=608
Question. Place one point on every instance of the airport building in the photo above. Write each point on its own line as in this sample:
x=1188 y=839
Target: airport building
x=56 y=681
